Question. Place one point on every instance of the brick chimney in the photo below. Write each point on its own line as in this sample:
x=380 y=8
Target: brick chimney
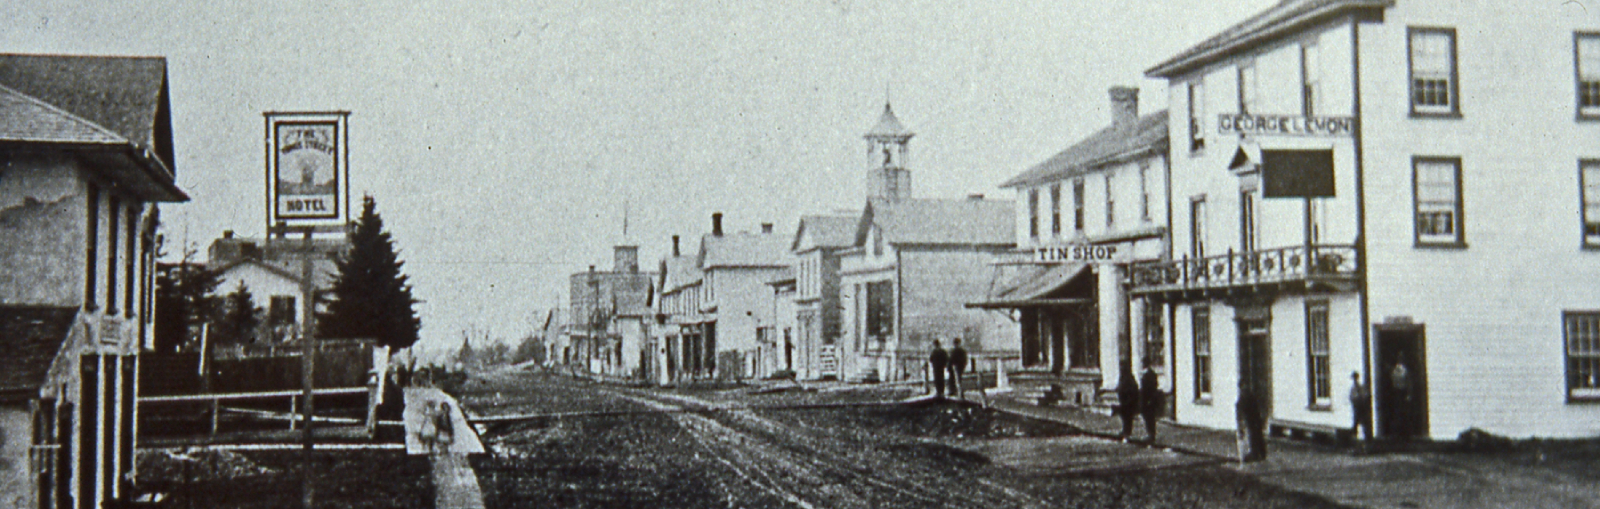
x=716 y=224
x=675 y=252
x=766 y=227
x=1124 y=106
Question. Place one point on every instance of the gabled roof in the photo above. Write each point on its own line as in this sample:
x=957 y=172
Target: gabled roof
x=826 y=231
x=30 y=336
x=888 y=125
x=748 y=250
x=112 y=111
x=678 y=272
x=27 y=119
x=1287 y=16
x=322 y=270
x=935 y=221
x=1148 y=135
x=127 y=95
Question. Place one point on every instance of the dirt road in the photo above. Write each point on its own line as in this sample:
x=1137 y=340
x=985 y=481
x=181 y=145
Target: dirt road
x=587 y=445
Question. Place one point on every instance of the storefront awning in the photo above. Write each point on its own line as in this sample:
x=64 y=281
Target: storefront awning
x=1033 y=285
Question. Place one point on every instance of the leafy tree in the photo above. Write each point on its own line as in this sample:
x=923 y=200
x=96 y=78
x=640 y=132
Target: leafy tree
x=370 y=297
x=240 y=316
x=184 y=301
x=532 y=348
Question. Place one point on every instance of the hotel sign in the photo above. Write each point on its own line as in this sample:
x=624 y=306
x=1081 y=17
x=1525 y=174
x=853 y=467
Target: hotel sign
x=307 y=174
x=1285 y=125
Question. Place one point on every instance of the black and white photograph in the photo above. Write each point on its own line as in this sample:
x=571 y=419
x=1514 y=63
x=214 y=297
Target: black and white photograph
x=799 y=254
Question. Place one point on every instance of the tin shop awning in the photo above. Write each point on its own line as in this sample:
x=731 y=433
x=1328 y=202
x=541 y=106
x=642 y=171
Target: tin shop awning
x=1017 y=286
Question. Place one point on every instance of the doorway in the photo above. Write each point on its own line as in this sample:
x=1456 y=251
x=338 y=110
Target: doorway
x=1255 y=362
x=1401 y=388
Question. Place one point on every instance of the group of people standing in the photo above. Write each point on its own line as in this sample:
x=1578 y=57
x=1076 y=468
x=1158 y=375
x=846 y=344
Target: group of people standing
x=437 y=430
x=1140 y=397
x=953 y=363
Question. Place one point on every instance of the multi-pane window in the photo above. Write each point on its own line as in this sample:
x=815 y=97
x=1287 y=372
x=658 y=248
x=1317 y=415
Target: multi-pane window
x=1144 y=190
x=1583 y=354
x=1154 y=336
x=1033 y=213
x=1586 y=52
x=1055 y=210
x=1111 y=203
x=1249 y=93
x=1318 y=381
x=1310 y=77
x=1589 y=189
x=1433 y=70
x=1197 y=110
x=1437 y=191
x=1077 y=205
x=1202 y=352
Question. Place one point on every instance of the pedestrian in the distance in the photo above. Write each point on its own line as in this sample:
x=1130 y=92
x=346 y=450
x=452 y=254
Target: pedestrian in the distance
x=1127 y=400
x=1151 y=400
x=958 y=367
x=427 y=430
x=1361 y=408
x=938 y=362
x=444 y=422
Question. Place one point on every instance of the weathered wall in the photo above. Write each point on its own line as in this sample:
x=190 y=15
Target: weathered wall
x=42 y=231
x=16 y=432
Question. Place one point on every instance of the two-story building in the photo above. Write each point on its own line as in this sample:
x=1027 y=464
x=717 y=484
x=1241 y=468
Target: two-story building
x=1088 y=212
x=1401 y=189
x=681 y=330
x=610 y=317
x=735 y=301
x=86 y=154
x=818 y=240
x=912 y=266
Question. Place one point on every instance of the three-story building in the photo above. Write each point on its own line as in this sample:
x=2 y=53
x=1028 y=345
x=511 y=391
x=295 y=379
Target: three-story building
x=1401 y=189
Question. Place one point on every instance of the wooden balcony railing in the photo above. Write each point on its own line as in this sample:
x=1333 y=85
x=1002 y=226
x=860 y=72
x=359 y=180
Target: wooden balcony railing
x=1323 y=263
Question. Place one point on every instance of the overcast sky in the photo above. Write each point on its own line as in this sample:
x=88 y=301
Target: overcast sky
x=502 y=139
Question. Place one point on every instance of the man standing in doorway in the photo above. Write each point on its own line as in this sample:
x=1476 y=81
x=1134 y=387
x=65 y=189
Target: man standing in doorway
x=1400 y=397
x=938 y=361
x=958 y=367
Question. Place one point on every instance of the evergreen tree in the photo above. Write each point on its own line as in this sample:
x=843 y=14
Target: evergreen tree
x=240 y=316
x=184 y=300
x=370 y=297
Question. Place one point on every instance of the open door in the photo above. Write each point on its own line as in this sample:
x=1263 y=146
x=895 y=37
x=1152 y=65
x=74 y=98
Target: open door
x=1255 y=362
x=1401 y=391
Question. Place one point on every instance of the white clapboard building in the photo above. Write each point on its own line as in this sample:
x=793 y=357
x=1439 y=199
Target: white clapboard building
x=1408 y=190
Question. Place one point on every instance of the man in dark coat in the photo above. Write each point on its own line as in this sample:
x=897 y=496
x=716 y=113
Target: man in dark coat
x=1127 y=400
x=938 y=362
x=1151 y=400
x=1361 y=408
x=958 y=367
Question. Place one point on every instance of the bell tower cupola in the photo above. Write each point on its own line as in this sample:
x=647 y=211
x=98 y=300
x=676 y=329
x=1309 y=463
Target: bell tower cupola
x=887 y=176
